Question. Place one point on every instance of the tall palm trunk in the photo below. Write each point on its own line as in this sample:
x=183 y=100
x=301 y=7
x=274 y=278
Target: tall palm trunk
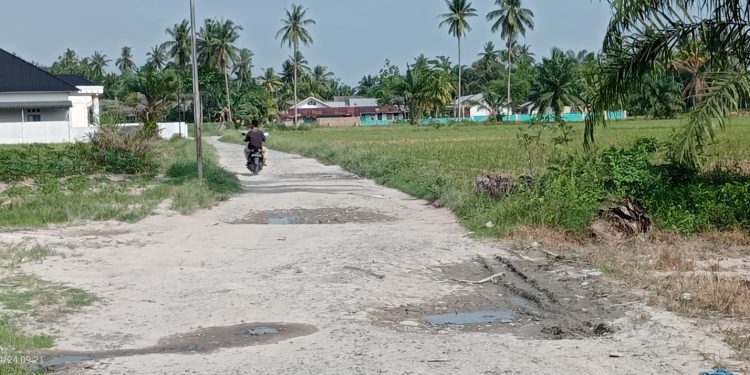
x=295 y=84
x=460 y=73
x=510 y=63
x=179 y=103
x=229 y=101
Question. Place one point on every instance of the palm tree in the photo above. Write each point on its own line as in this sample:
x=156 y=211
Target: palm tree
x=457 y=20
x=99 y=61
x=512 y=20
x=524 y=55
x=321 y=79
x=490 y=55
x=218 y=38
x=367 y=85
x=442 y=63
x=125 y=61
x=244 y=65
x=692 y=59
x=293 y=33
x=557 y=85
x=415 y=90
x=270 y=81
x=158 y=56
x=157 y=89
x=178 y=47
x=641 y=39
x=69 y=58
x=421 y=62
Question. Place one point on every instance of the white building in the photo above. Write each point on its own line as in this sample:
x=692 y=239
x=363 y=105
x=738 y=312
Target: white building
x=38 y=107
x=477 y=107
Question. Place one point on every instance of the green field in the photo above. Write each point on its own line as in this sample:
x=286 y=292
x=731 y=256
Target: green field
x=471 y=149
x=440 y=164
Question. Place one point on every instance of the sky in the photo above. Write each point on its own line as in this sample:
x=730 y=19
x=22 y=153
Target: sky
x=352 y=37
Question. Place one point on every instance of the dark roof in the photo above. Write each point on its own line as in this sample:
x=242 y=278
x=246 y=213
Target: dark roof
x=76 y=80
x=17 y=75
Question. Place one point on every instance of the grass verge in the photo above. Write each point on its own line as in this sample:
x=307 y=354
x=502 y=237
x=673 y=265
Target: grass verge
x=79 y=198
x=26 y=299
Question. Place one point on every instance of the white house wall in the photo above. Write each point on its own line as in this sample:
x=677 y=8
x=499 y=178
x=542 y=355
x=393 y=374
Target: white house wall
x=79 y=113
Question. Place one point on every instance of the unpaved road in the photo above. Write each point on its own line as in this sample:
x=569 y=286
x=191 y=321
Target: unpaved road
x=170 y=275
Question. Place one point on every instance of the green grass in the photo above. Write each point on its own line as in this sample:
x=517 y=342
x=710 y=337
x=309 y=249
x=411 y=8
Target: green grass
x=81 y=198
x=25 y=298
x=12 y=256
x=441 y=163
x=209 y=129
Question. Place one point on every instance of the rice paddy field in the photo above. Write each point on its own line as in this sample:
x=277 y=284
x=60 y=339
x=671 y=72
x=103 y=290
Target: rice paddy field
x=467 y=150
x=440 y=163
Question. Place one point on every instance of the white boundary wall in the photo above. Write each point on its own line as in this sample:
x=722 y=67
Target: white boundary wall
x=62 y=132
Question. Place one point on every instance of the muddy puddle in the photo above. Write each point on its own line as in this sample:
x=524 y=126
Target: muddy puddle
x=302 y=216
x=536 y=300
x=471 y=317
x=204 y=340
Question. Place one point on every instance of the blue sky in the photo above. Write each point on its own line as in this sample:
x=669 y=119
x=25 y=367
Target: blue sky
x=352 y=37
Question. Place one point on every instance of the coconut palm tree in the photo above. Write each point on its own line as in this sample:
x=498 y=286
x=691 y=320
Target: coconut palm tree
x=490 y=55
x=421 y=62
x=512 y=20
x=457 y=20
x=218 y=38
x=178 y=47
x=270 y=81
x=158 y=56
x=125 y=61
x=99 y=61
x=641 y=39
x=442 y=63
x=367 y=85
x=293 y=33
x=321 y=79
x=557 y=85
x=243 y=67
x=69 y=58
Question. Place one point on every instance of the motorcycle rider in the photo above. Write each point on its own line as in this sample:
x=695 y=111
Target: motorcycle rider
x=255 y=138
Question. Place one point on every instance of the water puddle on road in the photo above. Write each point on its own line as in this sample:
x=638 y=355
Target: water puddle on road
x=204 y=340
x=302 y=216
x=471 y=317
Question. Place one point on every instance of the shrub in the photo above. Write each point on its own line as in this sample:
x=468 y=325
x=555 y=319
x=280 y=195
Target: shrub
x=569 y=195
x=115 y=150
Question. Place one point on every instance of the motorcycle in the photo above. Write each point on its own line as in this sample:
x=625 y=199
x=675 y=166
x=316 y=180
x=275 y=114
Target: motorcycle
x=255 y=159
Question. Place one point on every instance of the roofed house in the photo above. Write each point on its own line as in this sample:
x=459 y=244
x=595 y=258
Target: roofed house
x=39 y=107
x=344 y=111
x=477 y=109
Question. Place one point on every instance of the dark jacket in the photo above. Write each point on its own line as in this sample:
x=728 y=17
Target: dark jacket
x=255 y=139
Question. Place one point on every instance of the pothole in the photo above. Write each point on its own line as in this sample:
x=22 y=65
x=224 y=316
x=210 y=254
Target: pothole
x=204 y=340
x=471 y=317
x=527 y=299
x=302 y=216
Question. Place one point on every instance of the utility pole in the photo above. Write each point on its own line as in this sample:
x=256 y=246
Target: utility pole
x=197 y=111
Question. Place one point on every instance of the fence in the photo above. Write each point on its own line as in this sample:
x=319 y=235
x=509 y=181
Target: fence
x=62 y=132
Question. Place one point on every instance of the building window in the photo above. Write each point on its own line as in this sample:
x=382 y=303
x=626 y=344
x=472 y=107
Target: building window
x=312 y=103
x=380 y=116
x=34 y=115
